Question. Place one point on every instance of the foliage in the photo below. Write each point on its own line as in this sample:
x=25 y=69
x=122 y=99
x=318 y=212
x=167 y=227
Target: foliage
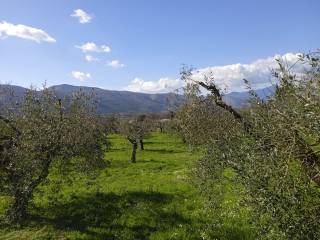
x=135 y=130
x=111 y=123
x=271 y=151
x=164 y=125
x=43 y=132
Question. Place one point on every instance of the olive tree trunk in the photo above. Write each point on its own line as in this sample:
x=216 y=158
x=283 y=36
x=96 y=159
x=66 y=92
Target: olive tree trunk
x=141 y=144
x=18 y=210
x=134 y=152
x=22 y=196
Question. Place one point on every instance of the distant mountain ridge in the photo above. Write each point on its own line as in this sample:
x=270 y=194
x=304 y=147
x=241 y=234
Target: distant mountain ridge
x=111 y=101
x=240 y=99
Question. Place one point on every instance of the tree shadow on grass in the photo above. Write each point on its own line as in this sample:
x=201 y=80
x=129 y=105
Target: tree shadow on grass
x=132 y=215
x=116 y=149
x=153 y=161
x=156 y=142
x=163 y=151
x=160 y=150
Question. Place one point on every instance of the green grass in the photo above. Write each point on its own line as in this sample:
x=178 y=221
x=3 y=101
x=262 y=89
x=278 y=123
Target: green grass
x=152 y=199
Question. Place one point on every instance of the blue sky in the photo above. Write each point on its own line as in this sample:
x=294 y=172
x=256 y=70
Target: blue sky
x=149 y=40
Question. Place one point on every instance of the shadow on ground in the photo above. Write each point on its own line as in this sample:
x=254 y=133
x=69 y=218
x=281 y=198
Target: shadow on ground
x=132 y=215
x=163 y=151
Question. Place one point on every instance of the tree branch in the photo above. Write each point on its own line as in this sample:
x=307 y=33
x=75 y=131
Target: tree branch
x=308 y=157
x=219 y=101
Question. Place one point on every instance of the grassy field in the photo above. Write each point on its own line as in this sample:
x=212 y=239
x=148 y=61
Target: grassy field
x=152 y=199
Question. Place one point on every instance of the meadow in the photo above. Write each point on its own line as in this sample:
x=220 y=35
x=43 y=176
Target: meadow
x=152 y=199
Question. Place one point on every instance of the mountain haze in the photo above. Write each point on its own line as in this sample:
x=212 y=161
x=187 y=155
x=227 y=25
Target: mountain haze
x=110 y=101
x=240 y=99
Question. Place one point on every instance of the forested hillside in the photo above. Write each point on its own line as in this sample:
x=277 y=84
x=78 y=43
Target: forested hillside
x=130 y=102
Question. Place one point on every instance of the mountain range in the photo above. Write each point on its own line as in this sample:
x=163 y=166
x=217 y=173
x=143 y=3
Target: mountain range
x=110 y=101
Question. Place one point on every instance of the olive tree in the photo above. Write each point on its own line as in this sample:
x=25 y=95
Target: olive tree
x=135 y=130
x=273 y=149
x=111 y=123
x=131 y=131
x=144 y=126
x=41 y=133
x=162 y=124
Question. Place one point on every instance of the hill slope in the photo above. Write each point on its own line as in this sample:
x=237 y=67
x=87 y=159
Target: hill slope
x=120 y=101
x=240 y=99
x=110 y=101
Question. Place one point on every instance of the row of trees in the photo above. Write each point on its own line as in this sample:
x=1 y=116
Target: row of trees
x=135 y=131
x=136 y=128
x=42 y=132
x=272 y=148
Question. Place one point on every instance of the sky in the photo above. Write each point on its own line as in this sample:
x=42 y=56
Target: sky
x=141 y=45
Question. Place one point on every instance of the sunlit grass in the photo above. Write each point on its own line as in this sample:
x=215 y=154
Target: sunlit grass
x=151 y=199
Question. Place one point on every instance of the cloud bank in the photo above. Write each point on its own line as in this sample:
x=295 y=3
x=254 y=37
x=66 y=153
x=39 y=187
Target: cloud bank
x=25 y=32
x=228 y=77
x=82 y=16
x=258 y=73
x=81 y=76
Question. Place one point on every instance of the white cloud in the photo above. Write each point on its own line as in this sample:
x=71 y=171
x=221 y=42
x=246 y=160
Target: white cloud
x=92 y=47
x=230 y=77
x=90 y=58
x=160 y=86
x=25 y=32
x=82 y=16
x=81 y=76
x=116 y=64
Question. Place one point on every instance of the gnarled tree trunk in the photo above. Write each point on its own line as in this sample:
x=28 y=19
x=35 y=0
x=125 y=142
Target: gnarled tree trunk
x=18 y=210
